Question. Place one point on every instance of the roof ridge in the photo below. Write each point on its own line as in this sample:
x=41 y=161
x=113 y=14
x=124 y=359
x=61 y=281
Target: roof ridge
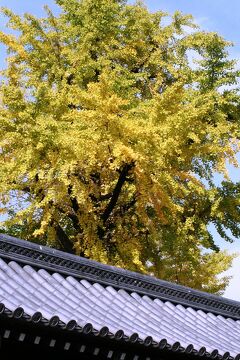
x=53 y=260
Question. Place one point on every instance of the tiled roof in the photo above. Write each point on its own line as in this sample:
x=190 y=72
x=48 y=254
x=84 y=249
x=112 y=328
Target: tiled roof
x=42 y=284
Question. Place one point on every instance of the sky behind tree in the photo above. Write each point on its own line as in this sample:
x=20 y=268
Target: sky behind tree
x=216 y=15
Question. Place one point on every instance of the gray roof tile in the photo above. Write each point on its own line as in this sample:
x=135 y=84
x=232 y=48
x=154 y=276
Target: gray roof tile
x=117 y=309
x=36 y=289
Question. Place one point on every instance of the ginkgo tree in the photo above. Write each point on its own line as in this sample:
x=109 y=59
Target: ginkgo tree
x=113 y=123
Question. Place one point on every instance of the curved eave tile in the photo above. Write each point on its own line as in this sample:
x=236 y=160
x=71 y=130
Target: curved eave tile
x=78 y=305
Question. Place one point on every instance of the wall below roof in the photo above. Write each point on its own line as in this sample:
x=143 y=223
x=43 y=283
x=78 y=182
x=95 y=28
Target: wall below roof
x=23 y=340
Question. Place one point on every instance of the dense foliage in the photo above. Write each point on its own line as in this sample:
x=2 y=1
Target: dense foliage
x=113 y=122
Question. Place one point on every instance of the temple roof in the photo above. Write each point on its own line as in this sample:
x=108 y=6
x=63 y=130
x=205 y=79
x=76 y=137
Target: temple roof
x=41 y=284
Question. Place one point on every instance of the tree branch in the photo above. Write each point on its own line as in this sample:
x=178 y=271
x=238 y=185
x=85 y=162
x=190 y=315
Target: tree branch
x=62 y=238
x=74 y=202
x=117 y=190
x=72 y=216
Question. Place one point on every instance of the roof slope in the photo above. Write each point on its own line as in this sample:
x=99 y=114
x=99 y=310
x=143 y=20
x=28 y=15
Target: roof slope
x=45 y=283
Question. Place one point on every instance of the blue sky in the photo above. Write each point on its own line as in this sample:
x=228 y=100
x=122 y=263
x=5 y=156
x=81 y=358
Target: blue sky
x=212 y=15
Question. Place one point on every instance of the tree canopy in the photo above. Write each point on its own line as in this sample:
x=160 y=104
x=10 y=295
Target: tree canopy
x=113 y=122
